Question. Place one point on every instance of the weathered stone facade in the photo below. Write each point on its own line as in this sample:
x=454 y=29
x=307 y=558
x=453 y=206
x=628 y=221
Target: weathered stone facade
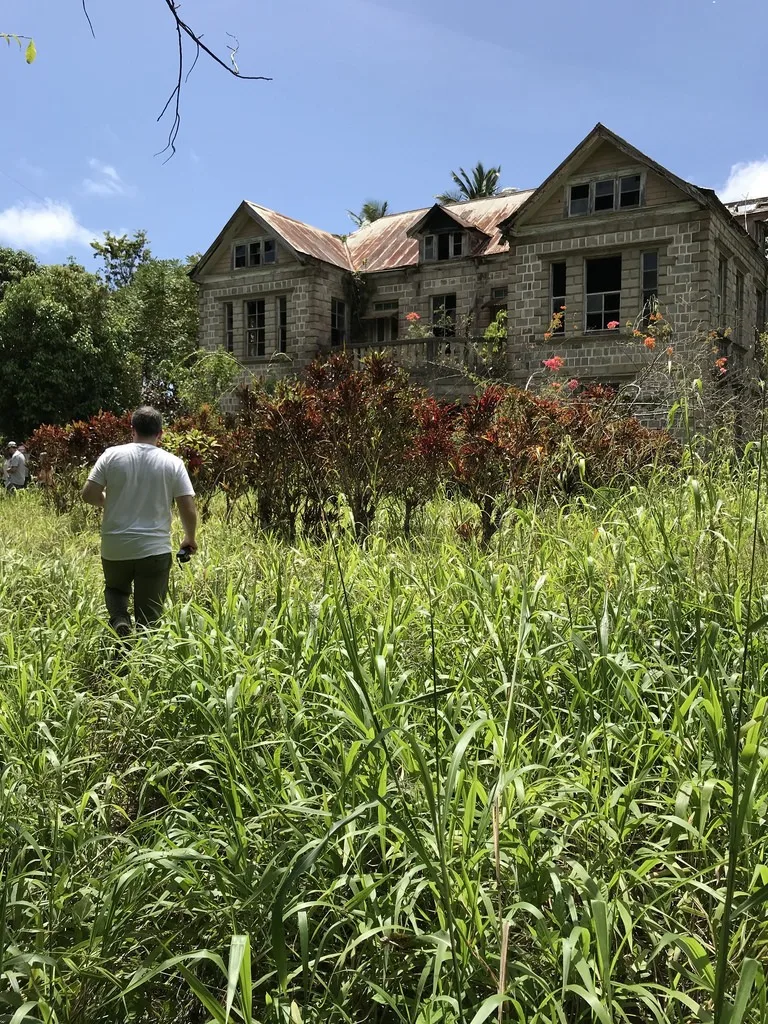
x=708 y=271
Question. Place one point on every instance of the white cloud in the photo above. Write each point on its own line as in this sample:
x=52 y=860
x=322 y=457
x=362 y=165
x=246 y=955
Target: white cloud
x=746 y=181
x=42 y=226
x=107 y=181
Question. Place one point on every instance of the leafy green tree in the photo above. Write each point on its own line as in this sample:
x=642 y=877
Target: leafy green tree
x=14 y=265
x=371 y=210
x=478 y=184
x=159 y=313
x=62 y=352
x=122 y=256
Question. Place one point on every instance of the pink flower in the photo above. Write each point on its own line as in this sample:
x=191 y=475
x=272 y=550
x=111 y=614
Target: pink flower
x=612 y=325
x=573 y=384
x=555 y=363
x=412 y=317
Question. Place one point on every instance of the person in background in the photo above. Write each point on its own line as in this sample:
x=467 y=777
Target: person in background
x=137 y=484
x=22 y=449
x=14 y=468
x=44 y=476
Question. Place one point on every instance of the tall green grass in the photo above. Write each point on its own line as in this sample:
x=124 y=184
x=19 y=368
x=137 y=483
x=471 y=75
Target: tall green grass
x=444 y=785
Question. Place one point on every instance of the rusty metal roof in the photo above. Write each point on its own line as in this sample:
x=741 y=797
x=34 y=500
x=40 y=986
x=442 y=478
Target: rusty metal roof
x=385 y=245
x=306 y=239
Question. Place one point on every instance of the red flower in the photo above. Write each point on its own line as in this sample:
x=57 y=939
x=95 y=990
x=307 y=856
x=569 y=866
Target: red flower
x=555 y=363
x=650 y=343
x=412 y=317
x=612 y=325
x=573 y=384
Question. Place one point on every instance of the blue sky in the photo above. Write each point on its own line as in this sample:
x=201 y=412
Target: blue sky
x=369 y=99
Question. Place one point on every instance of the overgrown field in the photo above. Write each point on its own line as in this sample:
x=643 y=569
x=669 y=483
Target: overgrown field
x=430 y=782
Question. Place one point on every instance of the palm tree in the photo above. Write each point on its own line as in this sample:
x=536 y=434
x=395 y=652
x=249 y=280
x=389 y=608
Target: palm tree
x=371 y=210
x=480 y=184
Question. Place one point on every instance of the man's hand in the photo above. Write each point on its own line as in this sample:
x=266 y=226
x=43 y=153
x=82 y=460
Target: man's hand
x=188 y=516
x=93 y=494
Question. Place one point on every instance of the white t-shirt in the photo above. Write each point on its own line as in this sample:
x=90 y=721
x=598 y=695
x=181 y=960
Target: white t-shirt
x=141 y=484
x=15 y=469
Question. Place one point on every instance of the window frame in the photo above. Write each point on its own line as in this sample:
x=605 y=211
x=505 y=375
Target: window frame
x=721 y=294
x=739 y=307
x=281 y=324
x=448 y=328
x=338 y=309
x=649 y=294
x=618 y=178
x=615 y=312
x=248 y=244
x=385 y=328
x=228 y=309
x=256 y=334
x=558 y=302
x=430 y=247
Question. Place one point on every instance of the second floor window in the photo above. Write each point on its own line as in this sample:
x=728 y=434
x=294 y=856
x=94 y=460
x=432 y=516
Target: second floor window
x=229 y=326
x=444 y=316
x=557 y=293
x=739 y=325
x=338 y=322
x=721 y=298
x=603 y=293
x=282 y=324
x=256 y=327
x=448 y=245
x=650 y=273
x=255 y=254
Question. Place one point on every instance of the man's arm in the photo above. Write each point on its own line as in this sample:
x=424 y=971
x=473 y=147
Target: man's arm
x=93 y=494
x=188 y=515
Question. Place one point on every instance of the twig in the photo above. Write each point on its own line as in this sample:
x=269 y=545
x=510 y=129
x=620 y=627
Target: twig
x=88 y=19
x=183 y=29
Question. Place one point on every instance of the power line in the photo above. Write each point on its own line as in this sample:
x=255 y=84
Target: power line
x=22 y=185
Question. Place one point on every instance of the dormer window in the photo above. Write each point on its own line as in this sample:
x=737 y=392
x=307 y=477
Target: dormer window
x=256 y=253
x=604 y=195
x=447 y=245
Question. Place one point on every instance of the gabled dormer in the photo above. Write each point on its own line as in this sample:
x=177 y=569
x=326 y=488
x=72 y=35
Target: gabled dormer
x=444 y=235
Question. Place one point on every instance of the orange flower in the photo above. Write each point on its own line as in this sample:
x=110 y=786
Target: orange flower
x=650 y=343
x=412 y=317
x=669 y=351
x=547 y=336
x=637 y=334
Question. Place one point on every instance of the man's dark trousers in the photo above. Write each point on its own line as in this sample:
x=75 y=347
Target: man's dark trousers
x=149 y=579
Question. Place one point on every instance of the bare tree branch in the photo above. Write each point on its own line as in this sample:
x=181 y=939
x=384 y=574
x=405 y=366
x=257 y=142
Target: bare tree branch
x=183 y=29
x=88 y=19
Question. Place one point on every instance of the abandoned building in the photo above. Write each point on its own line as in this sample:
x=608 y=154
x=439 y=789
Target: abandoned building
x=606 y=233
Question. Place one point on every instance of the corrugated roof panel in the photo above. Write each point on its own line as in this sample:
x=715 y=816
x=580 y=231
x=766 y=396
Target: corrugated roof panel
x=384 y=244
x=306 y=239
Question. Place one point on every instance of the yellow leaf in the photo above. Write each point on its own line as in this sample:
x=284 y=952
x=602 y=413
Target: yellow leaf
x=30 y=52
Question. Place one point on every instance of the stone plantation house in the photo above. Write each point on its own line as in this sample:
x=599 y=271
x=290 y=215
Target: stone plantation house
x=608 y=230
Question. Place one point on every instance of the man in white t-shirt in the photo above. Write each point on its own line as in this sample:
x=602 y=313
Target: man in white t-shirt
x=136 y=484
x=14 y=468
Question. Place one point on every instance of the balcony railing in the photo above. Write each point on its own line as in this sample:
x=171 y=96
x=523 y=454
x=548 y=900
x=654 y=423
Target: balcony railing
x=427 y=356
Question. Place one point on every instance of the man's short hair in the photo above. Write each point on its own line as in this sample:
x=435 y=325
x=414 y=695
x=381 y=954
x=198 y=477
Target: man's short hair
x=146 y=421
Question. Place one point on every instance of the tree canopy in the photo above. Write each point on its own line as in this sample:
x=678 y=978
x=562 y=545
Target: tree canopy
x=73 y=342
x=62 y=353
x=371 y=210
x=477 y=184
